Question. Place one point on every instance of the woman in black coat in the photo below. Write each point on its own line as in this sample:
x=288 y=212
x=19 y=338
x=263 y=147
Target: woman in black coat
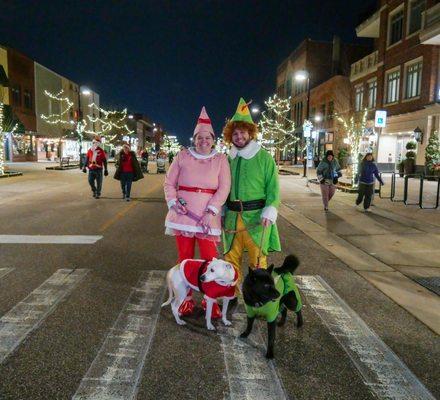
x=128 y=170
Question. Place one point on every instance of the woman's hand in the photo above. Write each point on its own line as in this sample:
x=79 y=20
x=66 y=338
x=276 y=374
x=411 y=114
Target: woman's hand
x=180 y=209
x=206 y=220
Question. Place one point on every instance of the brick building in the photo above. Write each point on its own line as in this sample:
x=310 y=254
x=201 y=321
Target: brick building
x=401 y=75
x=322 y=61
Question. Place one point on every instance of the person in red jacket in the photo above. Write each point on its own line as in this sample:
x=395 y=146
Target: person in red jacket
x=96 y=162
x=128 y=170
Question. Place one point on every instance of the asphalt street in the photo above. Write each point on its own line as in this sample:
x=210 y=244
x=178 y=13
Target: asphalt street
x=54 y=357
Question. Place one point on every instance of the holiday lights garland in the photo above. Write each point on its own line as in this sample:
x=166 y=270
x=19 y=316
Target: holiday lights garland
x=55 y=119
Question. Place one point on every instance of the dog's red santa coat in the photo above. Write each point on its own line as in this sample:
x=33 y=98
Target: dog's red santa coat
x=190 y=272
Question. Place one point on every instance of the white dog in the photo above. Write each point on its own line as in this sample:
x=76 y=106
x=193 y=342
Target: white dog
x=215 y=279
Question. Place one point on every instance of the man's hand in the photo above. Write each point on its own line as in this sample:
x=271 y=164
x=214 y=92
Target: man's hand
x=266 y=222
x=106 y=173
x=84 y=170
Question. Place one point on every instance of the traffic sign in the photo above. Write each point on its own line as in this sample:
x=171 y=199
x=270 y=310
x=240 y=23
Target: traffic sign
x=380 y=119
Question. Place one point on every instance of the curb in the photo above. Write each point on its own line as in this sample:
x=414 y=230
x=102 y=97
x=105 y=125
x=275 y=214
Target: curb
x=10 y=174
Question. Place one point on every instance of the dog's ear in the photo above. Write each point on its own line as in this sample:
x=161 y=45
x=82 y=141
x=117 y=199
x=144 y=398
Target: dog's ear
x=250 y=271
x=270 y=269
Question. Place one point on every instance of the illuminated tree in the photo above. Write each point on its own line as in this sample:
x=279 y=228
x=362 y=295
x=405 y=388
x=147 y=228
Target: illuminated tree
x=277 y=129
x=111 y=125
x=354 y=129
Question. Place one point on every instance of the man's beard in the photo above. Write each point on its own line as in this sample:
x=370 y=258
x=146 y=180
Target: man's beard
x=242 y=147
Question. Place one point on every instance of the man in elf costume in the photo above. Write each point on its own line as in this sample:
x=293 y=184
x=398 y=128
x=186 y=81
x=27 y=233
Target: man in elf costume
x=96 y=162
x=251 y=209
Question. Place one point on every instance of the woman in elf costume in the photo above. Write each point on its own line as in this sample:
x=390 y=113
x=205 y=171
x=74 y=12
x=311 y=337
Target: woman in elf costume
x=251 y=209
x=196 y=187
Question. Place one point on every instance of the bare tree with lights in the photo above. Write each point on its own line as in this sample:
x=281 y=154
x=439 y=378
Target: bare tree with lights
x=354 y=128
x=112 y=124
x=277 y=129
x=63 y=107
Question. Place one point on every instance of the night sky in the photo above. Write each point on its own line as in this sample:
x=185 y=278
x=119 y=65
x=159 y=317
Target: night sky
x=168 y=58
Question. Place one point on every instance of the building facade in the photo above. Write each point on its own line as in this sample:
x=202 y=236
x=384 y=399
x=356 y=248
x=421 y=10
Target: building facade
x=321 y=61
x=401 y=76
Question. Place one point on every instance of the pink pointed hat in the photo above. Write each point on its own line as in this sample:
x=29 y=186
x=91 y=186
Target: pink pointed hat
x=204 y=124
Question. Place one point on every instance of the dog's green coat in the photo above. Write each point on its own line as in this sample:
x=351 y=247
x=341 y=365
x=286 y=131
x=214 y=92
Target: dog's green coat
x=284 y=283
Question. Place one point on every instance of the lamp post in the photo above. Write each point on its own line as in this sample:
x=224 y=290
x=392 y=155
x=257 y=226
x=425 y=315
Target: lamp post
x=302 y=76
x=79 y=125
x=4 y=83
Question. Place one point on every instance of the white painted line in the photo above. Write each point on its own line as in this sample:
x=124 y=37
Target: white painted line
x=49 y=239
x=27 y=315
x=382 y=371
x=116 y=371
x=250 y=375
x=5 y=271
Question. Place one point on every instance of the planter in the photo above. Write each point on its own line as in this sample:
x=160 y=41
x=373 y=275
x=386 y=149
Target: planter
x=409 y=166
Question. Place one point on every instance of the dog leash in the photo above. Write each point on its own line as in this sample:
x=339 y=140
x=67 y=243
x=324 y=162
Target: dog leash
x=260 y=249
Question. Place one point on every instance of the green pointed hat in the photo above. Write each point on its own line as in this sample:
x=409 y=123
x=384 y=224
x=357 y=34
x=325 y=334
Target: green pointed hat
x=242 y=114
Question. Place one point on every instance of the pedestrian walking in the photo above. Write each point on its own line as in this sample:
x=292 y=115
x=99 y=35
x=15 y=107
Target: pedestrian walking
x=328 y=173
x=144 y=160
x=96 y=162
x=368 y=171
x=128 y=170
x=252 y=206
x=196 y=187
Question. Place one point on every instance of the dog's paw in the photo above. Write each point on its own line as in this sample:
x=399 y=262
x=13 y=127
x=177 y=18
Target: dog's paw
x=226 y=322
x=269 y=354
x=210 y=327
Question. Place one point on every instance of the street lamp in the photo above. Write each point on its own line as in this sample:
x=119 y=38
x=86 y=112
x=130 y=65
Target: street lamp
x=255 y=110
x=79 y=128
x=302 y=76
x=418 y=135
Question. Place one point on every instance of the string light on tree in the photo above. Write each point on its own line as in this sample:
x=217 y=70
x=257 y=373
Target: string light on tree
x=355 y=129
x=277 y=129
x=113 y=124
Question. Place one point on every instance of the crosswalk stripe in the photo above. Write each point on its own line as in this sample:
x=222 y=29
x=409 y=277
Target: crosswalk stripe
x=250 y=375
x=382 y=371
x=5 y=271
x=27 y=315
x=49 y=239
x=115 y=372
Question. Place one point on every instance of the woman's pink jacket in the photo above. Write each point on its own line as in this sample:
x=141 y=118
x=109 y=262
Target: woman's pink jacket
x=194 y=170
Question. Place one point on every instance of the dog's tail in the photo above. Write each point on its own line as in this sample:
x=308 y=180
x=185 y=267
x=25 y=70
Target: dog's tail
x=290 y=264
x=170 y=293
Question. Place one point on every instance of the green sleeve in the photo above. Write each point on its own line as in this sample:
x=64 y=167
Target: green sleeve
x=250 y=312
x=272 y=183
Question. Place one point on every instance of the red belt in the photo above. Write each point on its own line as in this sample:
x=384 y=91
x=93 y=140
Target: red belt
x=196 y=189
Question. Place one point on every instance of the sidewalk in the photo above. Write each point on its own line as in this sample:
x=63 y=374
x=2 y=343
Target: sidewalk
x=391 y=247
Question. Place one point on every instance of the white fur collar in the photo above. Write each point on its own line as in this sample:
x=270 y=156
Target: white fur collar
x=247 y=152
x=201 y=156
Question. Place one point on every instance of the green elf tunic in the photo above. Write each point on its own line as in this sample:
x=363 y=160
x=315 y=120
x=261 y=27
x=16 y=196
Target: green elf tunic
x=254 y=177
x=284 y=283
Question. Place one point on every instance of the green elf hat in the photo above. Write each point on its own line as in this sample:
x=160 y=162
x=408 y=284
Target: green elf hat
x=242 y=114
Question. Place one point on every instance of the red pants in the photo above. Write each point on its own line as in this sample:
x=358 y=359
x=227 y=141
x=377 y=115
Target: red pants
x=186 y=248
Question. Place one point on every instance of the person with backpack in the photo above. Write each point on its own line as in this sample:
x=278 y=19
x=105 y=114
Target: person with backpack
x=328 y=173
x=367 y=172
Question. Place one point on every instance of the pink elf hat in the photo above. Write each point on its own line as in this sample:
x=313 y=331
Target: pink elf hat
x=204 y=124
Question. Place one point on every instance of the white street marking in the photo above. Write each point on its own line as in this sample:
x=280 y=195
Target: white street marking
x=116 y=371
x=250 y=375
x=49 y=239
x=382 y=371
x=5 y=271
x=27 y=315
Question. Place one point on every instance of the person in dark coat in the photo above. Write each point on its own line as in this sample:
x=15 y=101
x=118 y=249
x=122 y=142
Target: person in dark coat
x=128 y=170
x=368 y=170
x=328 y=173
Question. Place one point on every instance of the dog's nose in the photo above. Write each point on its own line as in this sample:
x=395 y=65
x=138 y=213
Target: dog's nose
x=202 y=278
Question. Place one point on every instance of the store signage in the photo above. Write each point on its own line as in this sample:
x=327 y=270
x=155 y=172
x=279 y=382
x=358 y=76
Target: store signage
x=380 y=119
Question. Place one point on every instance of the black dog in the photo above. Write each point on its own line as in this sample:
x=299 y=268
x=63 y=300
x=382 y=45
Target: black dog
x=270 y=292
